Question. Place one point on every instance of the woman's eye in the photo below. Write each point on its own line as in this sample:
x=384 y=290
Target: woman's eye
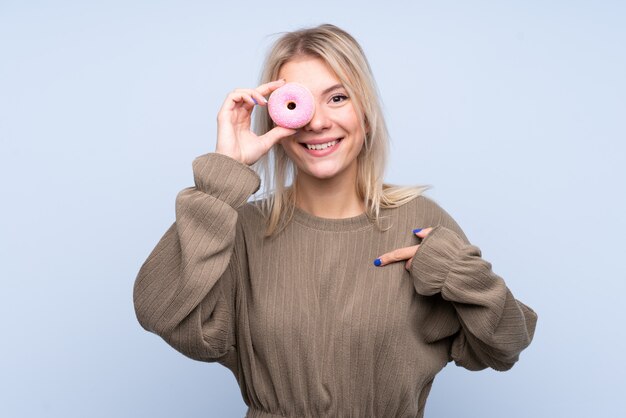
x=339 y=96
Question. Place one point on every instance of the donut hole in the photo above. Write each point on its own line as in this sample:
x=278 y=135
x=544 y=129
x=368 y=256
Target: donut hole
x=291 y=105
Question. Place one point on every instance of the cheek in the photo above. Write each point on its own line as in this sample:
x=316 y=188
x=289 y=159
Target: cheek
x=358 y=144
x=288 y=148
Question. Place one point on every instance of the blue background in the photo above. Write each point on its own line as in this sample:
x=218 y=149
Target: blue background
x=513 y=110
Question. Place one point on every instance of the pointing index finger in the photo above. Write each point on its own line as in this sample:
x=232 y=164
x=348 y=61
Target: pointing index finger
x=396 y=255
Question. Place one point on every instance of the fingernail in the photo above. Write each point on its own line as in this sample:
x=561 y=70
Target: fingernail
x=377 y=262
x=255 y=102
x=415 y=231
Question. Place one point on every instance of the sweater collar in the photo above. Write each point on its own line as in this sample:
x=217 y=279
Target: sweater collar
x=331 y=224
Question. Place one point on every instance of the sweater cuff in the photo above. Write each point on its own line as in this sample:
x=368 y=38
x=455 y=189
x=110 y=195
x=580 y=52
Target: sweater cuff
x=434 y=259
x=225 y=178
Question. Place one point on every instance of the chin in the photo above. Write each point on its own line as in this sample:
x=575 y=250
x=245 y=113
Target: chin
x=323 y=176
x=322 y=172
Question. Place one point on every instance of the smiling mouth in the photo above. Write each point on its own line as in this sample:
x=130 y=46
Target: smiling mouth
x=320 y=147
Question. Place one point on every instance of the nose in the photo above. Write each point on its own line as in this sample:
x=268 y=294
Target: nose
x=319 y=121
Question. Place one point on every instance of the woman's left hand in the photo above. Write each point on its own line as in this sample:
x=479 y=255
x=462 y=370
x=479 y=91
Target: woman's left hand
x=401 y=254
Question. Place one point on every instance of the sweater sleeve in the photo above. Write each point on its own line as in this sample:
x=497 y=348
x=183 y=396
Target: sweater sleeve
x=489 y=327
x=185 y=290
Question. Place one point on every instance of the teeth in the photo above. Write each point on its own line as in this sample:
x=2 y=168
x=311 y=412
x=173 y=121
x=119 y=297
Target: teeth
x=321 y=146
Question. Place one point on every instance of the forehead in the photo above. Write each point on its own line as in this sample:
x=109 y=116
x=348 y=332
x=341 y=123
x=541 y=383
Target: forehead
x=314 y=73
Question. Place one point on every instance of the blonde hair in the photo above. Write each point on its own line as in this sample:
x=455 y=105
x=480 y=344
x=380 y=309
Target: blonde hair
x=346 y=58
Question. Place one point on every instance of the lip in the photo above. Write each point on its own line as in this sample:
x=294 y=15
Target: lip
x=323 y=152
x=318 y=141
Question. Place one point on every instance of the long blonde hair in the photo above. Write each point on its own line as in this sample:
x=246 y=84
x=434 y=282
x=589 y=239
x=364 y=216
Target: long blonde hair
x=346 y=58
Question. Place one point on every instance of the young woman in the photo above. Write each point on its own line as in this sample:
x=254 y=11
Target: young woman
x=335 y=295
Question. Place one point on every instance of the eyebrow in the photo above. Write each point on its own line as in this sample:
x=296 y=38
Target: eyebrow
x=331 y=88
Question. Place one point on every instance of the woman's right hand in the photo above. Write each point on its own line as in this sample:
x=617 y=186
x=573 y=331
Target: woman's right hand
x=234 y=136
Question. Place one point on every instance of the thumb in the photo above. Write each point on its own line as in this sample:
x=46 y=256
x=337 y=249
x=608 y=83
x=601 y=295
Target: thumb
x=274 y=135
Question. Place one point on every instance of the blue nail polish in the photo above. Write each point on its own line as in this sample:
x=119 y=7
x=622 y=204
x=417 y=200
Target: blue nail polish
x=377 y=262
x=255 y=102
x=415 y=231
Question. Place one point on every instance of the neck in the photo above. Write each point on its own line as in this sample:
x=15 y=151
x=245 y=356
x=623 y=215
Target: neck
x=333 y=198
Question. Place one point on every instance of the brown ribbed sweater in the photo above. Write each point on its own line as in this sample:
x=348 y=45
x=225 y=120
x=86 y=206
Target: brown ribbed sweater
x=307 y=323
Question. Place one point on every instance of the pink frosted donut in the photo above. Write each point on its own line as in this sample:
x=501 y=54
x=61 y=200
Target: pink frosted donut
x=291 y=106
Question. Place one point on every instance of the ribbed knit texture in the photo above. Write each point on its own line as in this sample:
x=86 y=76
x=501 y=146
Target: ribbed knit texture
x=307 y=323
